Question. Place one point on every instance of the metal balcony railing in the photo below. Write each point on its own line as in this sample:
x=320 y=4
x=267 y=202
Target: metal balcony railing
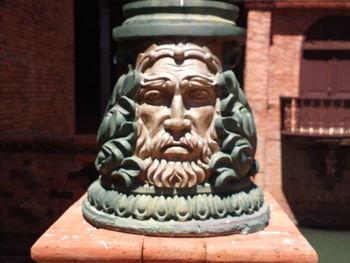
x=315 y=117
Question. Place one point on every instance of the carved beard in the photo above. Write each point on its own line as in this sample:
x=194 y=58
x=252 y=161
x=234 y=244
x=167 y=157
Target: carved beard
x=174 y=173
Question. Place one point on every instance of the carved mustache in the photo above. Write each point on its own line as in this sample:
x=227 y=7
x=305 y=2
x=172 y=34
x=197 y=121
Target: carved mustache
x=190 y=140
x=154 y=146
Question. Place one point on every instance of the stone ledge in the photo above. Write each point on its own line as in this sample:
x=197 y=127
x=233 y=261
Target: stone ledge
x=72 y=239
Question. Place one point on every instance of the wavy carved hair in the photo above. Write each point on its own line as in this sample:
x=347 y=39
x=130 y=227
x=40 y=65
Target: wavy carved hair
x=235 y=127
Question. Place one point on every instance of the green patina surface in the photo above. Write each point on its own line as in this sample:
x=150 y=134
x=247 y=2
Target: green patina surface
x=228 y=201
x=236 y=129
x=193 y=18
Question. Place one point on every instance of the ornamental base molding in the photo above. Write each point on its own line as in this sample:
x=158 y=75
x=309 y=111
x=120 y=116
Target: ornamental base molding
x=186 y=214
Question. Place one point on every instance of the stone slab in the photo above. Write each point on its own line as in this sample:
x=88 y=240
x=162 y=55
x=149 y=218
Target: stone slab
x=72 y=239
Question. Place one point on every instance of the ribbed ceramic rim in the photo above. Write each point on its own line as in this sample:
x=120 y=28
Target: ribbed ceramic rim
x=212 y=227
x=179 y=30
x=219 y=8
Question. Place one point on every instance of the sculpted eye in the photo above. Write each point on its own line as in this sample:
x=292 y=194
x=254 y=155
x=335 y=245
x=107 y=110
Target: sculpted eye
x=200 y=95
x=153 y=96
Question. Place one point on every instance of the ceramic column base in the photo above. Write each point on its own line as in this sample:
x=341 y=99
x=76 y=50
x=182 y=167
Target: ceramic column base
x=208 y=212
x=72 y=239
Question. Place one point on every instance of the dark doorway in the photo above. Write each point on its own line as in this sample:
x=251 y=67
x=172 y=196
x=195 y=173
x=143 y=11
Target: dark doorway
x=86 y=65
x=325 y=66
x=325 y=74
x=95 y=65
x=333 y=27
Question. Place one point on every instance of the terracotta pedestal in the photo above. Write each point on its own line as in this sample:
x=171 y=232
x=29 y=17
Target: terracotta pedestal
x=72 y=239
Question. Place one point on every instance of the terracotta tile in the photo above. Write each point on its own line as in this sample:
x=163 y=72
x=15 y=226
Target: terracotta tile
x=72 y=239
x=280 y=241
x=167 y=249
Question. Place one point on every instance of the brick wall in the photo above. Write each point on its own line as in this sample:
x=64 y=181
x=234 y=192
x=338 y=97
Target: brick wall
x=41 y=176
x=256 y=76
x=274 y=49
x=37 y=67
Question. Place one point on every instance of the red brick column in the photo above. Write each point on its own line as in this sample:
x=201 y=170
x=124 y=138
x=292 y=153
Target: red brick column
x=267 y=77
x=256 y=77
x=283 y=80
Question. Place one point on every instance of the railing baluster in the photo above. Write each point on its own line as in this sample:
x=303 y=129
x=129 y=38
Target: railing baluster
x=293 y=115
x=312 y=114
x=342 y=114
x=319 y=117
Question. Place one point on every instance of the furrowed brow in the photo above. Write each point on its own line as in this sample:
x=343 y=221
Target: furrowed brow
x=163 y=80
x=200 y=79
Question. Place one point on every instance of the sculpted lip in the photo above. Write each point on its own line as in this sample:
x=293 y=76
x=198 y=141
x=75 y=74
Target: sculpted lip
x=176 y=148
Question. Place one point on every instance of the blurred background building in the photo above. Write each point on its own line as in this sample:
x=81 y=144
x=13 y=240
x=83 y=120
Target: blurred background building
x=57 y=70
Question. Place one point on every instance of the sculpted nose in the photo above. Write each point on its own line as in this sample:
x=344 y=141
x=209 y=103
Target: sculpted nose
x=177 y=125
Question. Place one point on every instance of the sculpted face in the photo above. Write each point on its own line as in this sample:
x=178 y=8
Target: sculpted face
x=176 y=120
x=178 y=99
x=178 y=103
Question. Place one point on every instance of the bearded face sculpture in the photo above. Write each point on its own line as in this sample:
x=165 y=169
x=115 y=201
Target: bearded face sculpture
x=177 y=146
x=185 y=120
x=178 y=103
